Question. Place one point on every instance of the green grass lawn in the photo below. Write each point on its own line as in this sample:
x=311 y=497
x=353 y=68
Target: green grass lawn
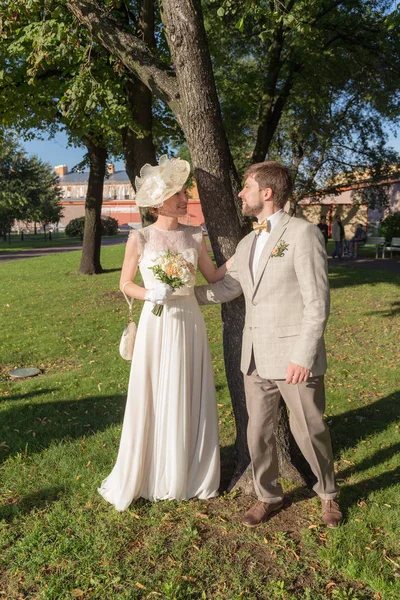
x=31 y=242
x=37 y=241
x=59 y=437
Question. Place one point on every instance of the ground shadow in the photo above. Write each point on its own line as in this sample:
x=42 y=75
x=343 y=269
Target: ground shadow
x=348 y=428
x=353 y=493
x=378 y=458
x=390 y=312
x=32 y=428
x=350 y=277
x=228 y=463
x=354 y=426
x=17 y=507
x=111 y=270
x=27 y=395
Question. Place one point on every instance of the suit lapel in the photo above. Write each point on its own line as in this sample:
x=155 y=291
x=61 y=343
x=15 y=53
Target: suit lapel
x=247 y=255
x=273 y=239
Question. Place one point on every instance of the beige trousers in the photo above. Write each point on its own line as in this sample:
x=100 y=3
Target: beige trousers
x=306 y=403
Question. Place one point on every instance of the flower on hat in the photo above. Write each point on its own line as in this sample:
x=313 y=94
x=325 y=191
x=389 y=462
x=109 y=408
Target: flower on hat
x=157 y=183
x=155 y=188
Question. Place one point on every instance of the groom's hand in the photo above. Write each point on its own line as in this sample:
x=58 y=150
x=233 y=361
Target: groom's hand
x=296 y=374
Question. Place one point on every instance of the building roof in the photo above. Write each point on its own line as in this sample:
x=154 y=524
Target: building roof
x=83 y=178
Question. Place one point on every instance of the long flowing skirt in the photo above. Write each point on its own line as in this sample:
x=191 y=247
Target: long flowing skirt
x=169 y=445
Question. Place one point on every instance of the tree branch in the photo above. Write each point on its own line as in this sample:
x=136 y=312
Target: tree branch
x=131 y=51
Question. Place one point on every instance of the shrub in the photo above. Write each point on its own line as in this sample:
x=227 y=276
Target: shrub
x=109 y=226
x=390 y=227
x=75 y=227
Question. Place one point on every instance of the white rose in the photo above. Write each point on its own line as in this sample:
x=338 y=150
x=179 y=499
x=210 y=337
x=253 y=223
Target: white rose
x=155 y=188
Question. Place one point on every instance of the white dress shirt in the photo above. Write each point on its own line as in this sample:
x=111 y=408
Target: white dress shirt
x=261 y=240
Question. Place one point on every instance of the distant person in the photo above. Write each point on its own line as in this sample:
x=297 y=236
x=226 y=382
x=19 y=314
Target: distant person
x=358 y=241
x=323 y=227
x=338 y=237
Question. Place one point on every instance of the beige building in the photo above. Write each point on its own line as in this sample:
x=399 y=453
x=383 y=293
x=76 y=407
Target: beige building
x=118 y=198
x=351 y=211
x=119 y=202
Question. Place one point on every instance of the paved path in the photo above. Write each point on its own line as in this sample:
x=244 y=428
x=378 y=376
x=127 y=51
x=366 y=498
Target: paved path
x=35 y=252
x=380 y=264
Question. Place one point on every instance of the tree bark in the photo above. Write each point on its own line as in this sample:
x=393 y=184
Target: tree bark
x=90 y=260
x=138 y=148
x=271 y=109
x=217 y=181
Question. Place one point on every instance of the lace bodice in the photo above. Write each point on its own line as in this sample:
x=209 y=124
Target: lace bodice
x=151 y=242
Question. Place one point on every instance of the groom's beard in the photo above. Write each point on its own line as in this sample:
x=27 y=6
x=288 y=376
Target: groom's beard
x=252 y=211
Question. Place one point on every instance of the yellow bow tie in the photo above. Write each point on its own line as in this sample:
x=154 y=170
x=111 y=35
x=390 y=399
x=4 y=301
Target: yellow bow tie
x=263 y=226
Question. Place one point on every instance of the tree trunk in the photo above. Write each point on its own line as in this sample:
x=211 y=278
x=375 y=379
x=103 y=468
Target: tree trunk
x=90 y=261
x=271 y=109
x=217 y=181
x=138 y=147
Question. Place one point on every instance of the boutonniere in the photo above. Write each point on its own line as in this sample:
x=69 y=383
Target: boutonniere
x=280 y=249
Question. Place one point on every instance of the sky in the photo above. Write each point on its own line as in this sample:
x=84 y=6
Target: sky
x=56 y=152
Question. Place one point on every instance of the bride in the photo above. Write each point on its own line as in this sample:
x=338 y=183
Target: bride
x=169 y=446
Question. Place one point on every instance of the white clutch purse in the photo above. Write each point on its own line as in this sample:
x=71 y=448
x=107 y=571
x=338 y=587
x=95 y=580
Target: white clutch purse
x=128 y=337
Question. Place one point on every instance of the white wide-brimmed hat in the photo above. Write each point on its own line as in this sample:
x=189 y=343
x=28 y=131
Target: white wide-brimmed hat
x=156 y=184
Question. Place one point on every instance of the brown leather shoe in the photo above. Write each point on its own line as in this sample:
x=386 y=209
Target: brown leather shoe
x=331 y=514
x=259 y=513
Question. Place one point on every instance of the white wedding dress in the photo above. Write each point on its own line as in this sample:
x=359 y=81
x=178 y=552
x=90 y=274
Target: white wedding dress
x=169 y=446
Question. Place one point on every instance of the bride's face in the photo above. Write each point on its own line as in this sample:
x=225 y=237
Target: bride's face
x=176 y=205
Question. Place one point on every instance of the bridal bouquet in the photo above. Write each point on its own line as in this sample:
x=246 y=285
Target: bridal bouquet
x=171 y=268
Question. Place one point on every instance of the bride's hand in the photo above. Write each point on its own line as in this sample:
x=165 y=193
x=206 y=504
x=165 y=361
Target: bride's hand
x=159 y=294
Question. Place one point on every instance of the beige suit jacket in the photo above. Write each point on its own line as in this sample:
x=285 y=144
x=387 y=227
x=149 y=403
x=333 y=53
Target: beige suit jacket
x=287 y=305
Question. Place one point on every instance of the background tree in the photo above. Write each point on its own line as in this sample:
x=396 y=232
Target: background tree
x=80 y=87
x=12 y=198
x=339 y=144
x=390 y=227
x=298 y=53
x=51 y=68
x=28 y=187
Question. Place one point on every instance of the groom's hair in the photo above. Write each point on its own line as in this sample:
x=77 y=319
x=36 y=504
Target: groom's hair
x=272 y=174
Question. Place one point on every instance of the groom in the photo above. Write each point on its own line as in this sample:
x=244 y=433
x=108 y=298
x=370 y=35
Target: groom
x=281 y=269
